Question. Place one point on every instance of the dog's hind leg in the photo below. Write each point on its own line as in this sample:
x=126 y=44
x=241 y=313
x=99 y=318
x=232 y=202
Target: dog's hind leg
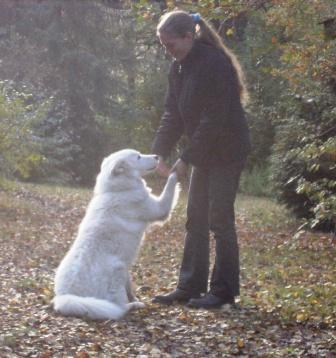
x=133 y=301
x=119 y=288
x=129 y=289
x=117 y=284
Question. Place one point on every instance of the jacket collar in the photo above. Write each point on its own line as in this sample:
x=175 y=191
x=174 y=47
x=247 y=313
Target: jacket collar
x=192 y=54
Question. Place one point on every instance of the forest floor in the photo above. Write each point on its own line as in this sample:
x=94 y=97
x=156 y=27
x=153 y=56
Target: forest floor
x=286 y=308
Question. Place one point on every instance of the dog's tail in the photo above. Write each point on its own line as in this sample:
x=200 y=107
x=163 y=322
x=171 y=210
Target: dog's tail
x=93 y=308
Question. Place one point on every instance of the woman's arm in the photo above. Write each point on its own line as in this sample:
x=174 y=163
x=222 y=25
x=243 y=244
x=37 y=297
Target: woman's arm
x=171 y=126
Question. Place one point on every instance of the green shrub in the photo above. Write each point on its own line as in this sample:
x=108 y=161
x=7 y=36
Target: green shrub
x=19 y=150
x=256 y=182
x=304 y=167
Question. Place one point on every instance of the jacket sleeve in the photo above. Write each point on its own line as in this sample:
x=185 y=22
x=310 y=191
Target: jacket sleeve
x=221 y=96
x=171 y=126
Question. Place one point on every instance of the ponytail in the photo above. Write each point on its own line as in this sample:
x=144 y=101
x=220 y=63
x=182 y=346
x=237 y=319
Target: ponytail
x=206 y=34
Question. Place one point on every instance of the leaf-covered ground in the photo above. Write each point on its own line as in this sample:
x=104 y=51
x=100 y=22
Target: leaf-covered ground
x=286 y=308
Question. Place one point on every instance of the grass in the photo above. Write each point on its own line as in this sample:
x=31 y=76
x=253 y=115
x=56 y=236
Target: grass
x=295 y=276
x=287 y=285
x=257 y=181
x=262 y=213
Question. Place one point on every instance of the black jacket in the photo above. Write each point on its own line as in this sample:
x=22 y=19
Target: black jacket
x=203 y=102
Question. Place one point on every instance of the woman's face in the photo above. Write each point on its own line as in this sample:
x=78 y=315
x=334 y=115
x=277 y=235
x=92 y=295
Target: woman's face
x=178 y=47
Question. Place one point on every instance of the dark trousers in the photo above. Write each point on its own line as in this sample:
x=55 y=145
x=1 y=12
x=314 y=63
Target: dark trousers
x=212 y=194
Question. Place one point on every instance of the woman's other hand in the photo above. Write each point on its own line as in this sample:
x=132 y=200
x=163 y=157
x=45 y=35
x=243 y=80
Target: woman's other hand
x=181 y=169
x=162 y=168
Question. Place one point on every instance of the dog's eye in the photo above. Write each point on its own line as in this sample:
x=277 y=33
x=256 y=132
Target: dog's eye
x=139 y=157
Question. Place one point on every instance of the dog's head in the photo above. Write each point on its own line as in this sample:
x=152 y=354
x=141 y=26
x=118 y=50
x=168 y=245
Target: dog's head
x=129 y=162
x=119 y=168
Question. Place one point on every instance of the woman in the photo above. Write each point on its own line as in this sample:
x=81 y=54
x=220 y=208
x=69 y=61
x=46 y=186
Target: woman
x=204 y=102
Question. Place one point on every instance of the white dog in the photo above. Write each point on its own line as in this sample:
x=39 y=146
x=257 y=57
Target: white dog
x=93 y=278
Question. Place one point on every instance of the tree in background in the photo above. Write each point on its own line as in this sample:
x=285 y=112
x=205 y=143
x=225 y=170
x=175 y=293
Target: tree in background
x=80 y=55
x=19 y=148
x=287 y=49
x=304 y=163
x=99 y=66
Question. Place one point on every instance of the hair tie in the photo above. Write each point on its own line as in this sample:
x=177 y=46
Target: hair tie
x=196 y=17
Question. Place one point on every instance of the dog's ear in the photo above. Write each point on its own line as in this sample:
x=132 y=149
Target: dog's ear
x=119 y=167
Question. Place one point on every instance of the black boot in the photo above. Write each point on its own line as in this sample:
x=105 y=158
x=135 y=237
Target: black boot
x=210 y=301
x=176 y=296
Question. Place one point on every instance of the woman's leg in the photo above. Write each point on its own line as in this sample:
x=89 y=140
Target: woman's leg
x=194 y=270
x=223 y=186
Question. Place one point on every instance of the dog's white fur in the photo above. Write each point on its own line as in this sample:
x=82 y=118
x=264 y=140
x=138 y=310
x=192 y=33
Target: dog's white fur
x=93 y=278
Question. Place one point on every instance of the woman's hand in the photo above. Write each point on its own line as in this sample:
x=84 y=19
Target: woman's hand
x=181 y=169
x=162 y=168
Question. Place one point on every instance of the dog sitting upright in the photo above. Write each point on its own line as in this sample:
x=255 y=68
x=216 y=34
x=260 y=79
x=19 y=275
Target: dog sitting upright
x=93 y=279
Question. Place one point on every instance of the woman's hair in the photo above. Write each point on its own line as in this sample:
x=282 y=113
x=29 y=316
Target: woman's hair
x=177 y=23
